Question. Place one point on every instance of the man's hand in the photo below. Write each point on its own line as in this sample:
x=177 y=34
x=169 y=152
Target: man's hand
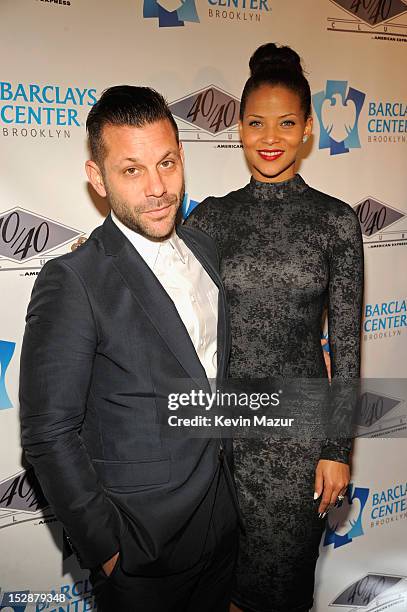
x=331 y=480
x=109 y=566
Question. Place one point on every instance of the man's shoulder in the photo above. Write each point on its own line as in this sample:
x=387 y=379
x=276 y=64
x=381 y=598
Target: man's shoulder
x=85 y=255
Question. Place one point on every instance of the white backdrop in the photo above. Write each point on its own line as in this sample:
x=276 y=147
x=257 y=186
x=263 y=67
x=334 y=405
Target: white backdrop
x=56 y=58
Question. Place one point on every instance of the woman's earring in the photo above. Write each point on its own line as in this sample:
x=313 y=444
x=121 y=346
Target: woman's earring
x=304 y=138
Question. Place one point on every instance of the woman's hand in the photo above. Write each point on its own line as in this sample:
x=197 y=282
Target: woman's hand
x=331 y=480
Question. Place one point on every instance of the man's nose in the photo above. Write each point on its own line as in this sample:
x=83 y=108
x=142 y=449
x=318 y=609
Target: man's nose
x=155 y=185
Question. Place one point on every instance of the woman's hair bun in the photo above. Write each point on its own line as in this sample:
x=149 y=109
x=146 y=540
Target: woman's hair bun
x=270 y=57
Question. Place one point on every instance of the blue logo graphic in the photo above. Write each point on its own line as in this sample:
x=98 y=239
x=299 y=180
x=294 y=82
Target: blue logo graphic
x=347 y=518
x=338 y=109
x=170 y=13
x=188 y=206
x=325 y=346
x=8 y=599
x=6 y=353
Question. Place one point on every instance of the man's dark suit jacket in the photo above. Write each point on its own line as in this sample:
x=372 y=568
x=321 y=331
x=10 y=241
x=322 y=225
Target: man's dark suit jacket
x=102 y=348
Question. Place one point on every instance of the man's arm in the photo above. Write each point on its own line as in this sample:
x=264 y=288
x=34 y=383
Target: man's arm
x=56 y=368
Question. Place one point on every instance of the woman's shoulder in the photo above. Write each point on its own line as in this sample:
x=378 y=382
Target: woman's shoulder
x=331 y=205
x=216 y=203
x=339 y=219
x=210 y=213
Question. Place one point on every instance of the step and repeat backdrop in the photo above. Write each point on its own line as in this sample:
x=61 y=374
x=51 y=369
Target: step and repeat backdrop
x=56 y=57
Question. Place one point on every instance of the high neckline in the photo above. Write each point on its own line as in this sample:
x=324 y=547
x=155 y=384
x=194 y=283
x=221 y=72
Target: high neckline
x=268 y=191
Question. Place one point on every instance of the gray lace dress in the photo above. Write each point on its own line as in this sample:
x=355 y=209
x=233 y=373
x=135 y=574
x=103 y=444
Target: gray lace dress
x=287 y=252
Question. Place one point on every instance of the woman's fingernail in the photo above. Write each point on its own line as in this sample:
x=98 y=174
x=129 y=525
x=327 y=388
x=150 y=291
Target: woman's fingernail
x=316 y=495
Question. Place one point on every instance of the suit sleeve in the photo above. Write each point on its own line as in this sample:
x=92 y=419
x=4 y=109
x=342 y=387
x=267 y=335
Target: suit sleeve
x=57 y=357
x=344 y=326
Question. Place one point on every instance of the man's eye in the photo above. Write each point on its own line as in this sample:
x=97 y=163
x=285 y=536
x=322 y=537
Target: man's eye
x=168 y=163
x=131 y=171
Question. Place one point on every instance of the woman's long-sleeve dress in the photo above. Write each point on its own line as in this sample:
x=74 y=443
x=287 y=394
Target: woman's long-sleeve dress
x=287 y=252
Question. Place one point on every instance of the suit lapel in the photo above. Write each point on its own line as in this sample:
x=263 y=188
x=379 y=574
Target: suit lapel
x=153 y=299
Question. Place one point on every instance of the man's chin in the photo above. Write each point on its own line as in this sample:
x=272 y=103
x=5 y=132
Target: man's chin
x=158 y=230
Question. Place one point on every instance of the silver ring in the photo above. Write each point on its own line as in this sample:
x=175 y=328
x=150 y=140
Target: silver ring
x=341 y=497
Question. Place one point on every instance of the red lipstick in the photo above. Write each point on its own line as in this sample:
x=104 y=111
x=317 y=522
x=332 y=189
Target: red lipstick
x=270 y=154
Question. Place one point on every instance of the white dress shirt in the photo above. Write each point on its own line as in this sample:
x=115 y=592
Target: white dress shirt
x=189 y=286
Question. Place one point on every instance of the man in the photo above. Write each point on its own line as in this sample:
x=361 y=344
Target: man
x=110 y=327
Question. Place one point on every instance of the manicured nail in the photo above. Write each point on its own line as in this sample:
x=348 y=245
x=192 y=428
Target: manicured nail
x=316 y=495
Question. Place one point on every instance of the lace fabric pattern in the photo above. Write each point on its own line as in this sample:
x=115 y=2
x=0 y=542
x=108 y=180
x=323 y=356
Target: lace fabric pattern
x=287 y=253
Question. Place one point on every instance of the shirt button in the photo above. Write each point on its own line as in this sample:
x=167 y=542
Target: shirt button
x=193 y=298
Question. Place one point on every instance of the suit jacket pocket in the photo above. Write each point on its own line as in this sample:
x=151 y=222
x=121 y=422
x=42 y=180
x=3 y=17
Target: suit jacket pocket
x=132 y=475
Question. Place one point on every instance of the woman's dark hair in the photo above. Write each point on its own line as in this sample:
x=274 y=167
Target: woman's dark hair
x=272 y=65
x=125 y=105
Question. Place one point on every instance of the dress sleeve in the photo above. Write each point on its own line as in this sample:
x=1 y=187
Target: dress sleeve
x=344 y=326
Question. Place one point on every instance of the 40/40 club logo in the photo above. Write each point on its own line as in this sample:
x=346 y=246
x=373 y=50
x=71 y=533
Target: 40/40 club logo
x=26 y=238
x=338 y=110
x=209 y=115
x=382 y=225
x=373 y=593
x=381 y=415
x=21 y=499
x=382 y=19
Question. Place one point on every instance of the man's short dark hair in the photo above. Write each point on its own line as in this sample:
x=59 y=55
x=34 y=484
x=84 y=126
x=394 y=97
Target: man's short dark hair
x=125 y=105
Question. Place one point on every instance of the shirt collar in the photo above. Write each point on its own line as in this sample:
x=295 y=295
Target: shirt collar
x=149 y=249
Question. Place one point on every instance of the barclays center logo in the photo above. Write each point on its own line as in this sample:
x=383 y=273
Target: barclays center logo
x=365 y=508
x=6 y=354
x=34 y=110
x=346 y=523
x=171 y=13
x=338 y=109
x=188 y=205
x=9 y=599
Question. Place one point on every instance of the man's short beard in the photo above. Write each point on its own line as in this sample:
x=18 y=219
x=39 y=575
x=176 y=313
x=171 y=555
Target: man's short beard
x=124 y=212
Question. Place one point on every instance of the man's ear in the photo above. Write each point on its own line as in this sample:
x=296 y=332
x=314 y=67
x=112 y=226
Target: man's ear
x=182 y=153
x=95 y=177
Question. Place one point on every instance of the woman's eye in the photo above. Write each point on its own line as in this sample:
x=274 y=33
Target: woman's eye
x=254 y=123
x=288 y=122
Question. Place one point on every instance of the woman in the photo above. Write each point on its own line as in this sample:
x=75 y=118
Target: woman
x=286 y=252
